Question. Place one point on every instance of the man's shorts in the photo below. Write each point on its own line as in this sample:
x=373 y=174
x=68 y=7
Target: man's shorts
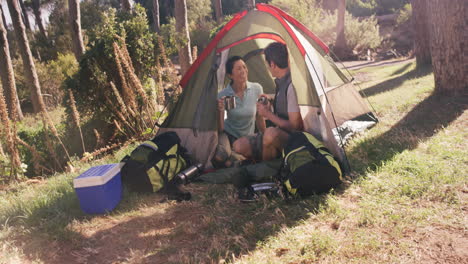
x=256 y=145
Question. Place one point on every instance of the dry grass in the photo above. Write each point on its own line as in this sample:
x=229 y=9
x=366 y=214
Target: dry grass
x=76 y=117
x=10 y=132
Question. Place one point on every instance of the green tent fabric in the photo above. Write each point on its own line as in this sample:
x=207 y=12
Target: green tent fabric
x=327 y=99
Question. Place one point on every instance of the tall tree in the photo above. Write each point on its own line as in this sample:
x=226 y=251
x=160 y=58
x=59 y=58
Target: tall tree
x=25 y=51
x=419 y=19
x=125 y=5
x=156 y=18
x=25 y=15
x=330 y=5
x=7 y=75
x=10 y=135
x=340 y=43
x=3 y=15
x=448 y=35
x=30 y=70
x=249 y=4
x=75 y=26
x=36 y=7
x=218 y=8
x=185 y=54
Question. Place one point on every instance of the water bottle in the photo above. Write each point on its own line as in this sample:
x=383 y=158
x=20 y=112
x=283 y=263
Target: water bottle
x=187 y=175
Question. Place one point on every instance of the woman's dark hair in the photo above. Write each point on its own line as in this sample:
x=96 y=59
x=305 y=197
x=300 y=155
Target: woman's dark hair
x=230 y=63
x=278 y=53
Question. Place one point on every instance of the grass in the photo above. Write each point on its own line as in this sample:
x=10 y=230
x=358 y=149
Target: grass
x=404 y=202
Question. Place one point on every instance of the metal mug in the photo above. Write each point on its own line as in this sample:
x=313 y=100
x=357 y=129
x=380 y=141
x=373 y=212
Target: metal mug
x=229 y=102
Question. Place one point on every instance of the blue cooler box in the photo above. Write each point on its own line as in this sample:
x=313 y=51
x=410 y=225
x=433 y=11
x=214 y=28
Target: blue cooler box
x=99 y=189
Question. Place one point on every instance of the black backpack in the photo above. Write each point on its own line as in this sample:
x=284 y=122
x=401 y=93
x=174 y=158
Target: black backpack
x=308 y=167
x=153 y=165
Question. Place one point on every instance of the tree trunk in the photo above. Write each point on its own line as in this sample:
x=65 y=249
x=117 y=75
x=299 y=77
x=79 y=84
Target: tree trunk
x=422 y=45
x=3 y=17
x=36 y=5
x=75 y=26
x=249 y=4
x=218 y=8
x=7 y=76
x=448 y=34
x=156 y=19
x=185 y=56
x=25 y=15
x=330 y=5
x=125 y=4
x=340 y=43
x=28 y=62
x=10 y=135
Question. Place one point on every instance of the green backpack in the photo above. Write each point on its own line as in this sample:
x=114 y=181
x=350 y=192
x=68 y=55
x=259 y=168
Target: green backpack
x=308 y=167
x=154 y=164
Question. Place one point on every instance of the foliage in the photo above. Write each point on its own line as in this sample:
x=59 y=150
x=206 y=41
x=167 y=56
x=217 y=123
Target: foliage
x=404 y=15
x=51 y=76
x=168 y=36
x=361 y=8
x=360 y=34
x=113 y=84
x=58 y=35
x=234 y=6
x=200 y=24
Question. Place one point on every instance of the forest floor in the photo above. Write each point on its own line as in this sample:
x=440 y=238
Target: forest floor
x=406 y=201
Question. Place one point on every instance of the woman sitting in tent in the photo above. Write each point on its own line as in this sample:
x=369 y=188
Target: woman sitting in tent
x=241 y=119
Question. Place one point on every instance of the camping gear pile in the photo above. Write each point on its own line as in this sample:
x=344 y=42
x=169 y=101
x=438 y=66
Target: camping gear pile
x=327 y=99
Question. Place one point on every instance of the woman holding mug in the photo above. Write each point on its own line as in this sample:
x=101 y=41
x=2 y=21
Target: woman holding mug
x=242 y=116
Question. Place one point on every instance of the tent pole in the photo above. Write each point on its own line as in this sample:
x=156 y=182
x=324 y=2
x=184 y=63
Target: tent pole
x=347 y=165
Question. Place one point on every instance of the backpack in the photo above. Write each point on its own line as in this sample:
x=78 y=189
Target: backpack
x=308 y=167
x=154 y=164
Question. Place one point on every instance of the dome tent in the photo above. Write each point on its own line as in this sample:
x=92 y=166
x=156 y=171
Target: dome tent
x=327 y=99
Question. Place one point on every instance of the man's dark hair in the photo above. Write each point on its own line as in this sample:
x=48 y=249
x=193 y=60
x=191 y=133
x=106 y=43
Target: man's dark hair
x=278 y=53
x=230 y=63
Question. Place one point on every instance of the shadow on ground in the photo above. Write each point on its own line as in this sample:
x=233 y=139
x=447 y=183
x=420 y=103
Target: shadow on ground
x=419 y=125
x=396 y=82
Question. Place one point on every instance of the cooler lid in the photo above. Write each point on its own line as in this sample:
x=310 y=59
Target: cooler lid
x=98 y=175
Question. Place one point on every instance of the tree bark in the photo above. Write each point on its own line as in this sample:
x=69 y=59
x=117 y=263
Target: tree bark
x=249 y=4
x=28 y=62
x=448 y=34
x=156 y=18
x=185 y=56
x=125 y=4
x=10 y=134
x=419 y=20
x=75 y=26
x=340 y=43
x=3 y=16
x=330 y=5
x=36 y=5
x=7 y=76
x=25 y=15
x=218 y=8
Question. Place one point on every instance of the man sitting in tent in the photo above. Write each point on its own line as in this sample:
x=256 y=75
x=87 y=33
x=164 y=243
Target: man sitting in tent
x=285 y=117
